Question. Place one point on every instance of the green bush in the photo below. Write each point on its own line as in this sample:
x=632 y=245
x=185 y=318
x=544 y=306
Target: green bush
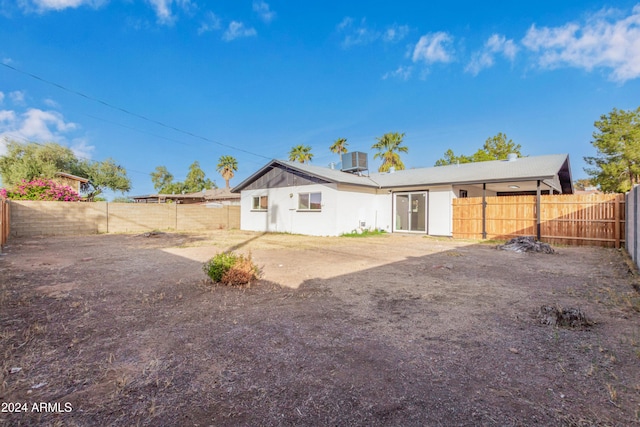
x=232 y=269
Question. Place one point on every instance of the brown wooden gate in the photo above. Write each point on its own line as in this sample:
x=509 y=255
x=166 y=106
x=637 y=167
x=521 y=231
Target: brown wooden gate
x=596 y=220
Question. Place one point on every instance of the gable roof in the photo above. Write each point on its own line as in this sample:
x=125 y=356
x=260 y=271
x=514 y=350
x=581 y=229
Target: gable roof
x=72 y=177
x=553 y=169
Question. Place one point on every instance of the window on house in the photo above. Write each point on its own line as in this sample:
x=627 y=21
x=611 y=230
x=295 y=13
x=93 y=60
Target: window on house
x=260 y=203
x=462 y=194
x=310 y=201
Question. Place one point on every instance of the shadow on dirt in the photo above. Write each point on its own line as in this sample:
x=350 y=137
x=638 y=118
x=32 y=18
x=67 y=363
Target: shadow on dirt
x=127 y=334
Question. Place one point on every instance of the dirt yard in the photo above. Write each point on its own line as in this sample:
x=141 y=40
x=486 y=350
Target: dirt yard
x=390 y=330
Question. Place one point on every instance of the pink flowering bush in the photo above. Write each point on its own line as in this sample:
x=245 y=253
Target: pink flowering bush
x=41 y=189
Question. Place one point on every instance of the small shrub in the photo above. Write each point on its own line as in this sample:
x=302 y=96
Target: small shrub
x=231 y=269
x=364 y=233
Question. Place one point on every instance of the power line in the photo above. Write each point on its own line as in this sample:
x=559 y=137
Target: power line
x=131 y=113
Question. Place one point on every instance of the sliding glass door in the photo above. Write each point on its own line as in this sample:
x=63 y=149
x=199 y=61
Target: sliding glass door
x=411 y=211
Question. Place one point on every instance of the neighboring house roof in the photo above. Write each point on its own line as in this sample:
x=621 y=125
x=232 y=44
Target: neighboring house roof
x=211 y=195
x=219 y=194
x=72 y=177
x=553 y=169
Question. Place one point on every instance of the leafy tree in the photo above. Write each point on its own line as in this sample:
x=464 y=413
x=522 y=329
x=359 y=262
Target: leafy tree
x=388 y=146
x=227 y=165
x=494 y=148
x=196 y=179
x=301 y=153
x=26 y=162
x=451 y=159
x=104 y=175
x=339 y=147
x=616 y=166
x=32 y=161
x=162 y=179
x=582 y=184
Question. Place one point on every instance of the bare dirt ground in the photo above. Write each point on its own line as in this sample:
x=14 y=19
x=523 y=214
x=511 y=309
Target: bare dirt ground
x=390 y=330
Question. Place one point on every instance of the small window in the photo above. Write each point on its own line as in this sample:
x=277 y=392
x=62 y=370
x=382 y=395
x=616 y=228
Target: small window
x=260 y=203
x=463 y=194
x=310 y=201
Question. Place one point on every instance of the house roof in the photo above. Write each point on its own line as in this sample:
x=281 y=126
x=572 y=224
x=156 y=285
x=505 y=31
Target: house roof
x=212 y=194
x=553 y=169
x=73 y=177
x=216 y=194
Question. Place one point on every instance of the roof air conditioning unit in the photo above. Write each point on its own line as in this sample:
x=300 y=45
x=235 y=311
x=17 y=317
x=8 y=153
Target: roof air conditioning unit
x=354 y=162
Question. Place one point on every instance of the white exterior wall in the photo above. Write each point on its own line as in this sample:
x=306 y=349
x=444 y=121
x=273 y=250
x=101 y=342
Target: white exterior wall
x=371 y=207
x=342 y=211
x=440 y=211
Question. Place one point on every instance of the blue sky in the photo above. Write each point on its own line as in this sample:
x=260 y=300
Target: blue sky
x=251 y=79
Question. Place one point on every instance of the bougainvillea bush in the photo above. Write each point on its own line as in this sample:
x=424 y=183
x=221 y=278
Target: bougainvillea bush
x=41 y=189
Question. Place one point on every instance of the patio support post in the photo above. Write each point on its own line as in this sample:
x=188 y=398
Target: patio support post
x=484 y=211
x=538 y=214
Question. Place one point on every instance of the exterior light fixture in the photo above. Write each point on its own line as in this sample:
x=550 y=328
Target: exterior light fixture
x=514 y=186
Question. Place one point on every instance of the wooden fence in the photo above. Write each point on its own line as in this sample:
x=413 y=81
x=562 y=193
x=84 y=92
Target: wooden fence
x=596 y=220
x=4 y=222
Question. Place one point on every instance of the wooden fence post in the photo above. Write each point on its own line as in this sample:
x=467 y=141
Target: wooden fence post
x=484 y=211
x=616 y=224
x=538 y=213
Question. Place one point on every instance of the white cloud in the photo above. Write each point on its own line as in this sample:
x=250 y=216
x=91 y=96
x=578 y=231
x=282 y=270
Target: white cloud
x=51 y=103
x=433 y=47
x=81 y=148
x=346 y=22
x=1 y=97
x=395 y=33
x=44 y=125
x=605 y=40
x=35 y=125
x=356 y=34
x=402 y=73
x=212 y=23
x=164 y=9
x=236 y=30
x=57 y=5
x=7 y=116
x=17 y=97
x=485 y=58
x=263 y=10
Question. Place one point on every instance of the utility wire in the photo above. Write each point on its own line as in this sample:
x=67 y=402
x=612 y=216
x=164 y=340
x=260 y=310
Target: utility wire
x=131 y=113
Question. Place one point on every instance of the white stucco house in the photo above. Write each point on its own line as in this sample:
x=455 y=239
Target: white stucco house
x=299 y=198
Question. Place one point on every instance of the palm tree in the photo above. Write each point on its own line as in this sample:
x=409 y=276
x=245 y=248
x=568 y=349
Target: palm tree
x=388 y=145
x=227 y=165
x=300 y=153
x=339 y=146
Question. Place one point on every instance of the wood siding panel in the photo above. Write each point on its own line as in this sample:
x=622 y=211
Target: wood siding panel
x=278 y=178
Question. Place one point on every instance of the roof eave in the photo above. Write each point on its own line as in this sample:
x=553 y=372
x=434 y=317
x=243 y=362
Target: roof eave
x=470 y=182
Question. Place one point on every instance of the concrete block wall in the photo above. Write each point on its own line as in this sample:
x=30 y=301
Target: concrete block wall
x=198 y=217
x=134 y=217
x=29 y=218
